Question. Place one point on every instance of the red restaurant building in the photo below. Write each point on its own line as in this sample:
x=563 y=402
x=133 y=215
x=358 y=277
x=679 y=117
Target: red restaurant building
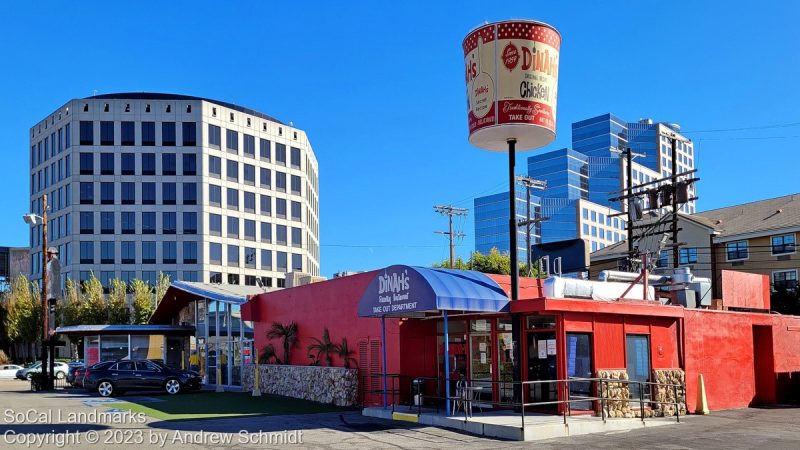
x=745 y=357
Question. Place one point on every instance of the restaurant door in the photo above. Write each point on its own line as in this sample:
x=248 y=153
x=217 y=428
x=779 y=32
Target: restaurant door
x=542 y=366
x=480 y=345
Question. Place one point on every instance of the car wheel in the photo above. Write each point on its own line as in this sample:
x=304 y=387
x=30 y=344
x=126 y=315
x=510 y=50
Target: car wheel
x=105 y=389
x=60 y=375
x=172 y=386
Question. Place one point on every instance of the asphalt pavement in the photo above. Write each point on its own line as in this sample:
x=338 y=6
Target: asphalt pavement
x=72 y=419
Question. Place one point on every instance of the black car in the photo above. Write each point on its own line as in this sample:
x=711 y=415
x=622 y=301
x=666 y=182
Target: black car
x=114 y=378
x=73 y=367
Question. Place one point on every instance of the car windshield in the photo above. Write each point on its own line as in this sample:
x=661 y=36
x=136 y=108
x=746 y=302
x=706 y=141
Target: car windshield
x=35 y=365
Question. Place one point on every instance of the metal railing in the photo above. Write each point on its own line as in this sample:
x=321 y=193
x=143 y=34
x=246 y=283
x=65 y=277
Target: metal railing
x=419 y=394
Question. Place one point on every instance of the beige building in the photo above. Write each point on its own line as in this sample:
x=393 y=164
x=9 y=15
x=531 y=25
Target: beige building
x=757 y=237
x=695 y=234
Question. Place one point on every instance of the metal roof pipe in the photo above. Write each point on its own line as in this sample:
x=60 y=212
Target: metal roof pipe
x=616 y=275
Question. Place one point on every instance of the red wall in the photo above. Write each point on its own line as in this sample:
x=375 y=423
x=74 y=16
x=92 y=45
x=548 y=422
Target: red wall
x=720 y=345
x=608 y=337
x=745 y=290
x=332 y=304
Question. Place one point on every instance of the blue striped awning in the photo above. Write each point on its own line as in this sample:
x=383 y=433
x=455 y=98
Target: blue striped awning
x=400 y=290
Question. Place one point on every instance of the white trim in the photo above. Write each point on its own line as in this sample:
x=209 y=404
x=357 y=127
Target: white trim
x=737 y=259
x=754 y=234
x=772 y=246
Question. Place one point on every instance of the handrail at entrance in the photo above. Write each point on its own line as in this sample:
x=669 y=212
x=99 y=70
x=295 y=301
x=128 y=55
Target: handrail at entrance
x=465 y=397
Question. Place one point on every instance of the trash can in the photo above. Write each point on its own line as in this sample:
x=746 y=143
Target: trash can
x=416 y=390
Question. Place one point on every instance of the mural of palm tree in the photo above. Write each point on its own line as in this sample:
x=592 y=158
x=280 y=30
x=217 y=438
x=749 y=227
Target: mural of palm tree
x=287 y=333
x=324 y=347
x=346 y=354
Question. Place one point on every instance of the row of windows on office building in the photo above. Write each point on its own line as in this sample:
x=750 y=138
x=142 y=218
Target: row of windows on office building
x=61 y=139
x=249 y=146
x=52 y=174
x=235 y=255
x=234 y=199
x=129 y=137
x=47 y=148
x=61 y=169
x=603 y=219
x=150 y=277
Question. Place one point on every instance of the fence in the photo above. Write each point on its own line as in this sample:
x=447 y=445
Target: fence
x=420 y=395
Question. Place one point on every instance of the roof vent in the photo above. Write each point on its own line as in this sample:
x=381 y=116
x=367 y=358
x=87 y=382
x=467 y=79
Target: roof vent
x=718 y=222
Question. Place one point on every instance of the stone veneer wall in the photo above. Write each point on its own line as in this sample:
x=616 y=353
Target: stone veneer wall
x=332 y=385
x=617 y=393
x=663 y=393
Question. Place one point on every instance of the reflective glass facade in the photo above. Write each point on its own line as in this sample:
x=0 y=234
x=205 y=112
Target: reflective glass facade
x=592 y=171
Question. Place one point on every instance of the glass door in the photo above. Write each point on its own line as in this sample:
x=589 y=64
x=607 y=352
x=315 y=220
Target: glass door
x=579 y=365
x=505 y=361
x=542 y=366
x=637 y=353
x=480 y=346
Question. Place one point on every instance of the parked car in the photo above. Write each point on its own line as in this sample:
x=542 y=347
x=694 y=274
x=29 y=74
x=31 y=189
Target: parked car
x=59 y=368
x=9 y=370
x=141 y=374
x=73 y=368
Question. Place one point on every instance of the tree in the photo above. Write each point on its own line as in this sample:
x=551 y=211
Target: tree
x=70 y=307
x=162 y=284
x=494 y=262
x=142 y=302
x=69 y=313
x=118 y=312
x=93 y=306
x=346 y=353
x=287 y=333
x=24 y=313
x=459 y=264
x=323 y=347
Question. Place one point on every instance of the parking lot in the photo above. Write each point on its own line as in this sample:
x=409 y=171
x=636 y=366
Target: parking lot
x=68 y=419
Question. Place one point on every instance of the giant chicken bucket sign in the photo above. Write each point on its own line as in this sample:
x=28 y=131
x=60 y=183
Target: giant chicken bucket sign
x=512 y=84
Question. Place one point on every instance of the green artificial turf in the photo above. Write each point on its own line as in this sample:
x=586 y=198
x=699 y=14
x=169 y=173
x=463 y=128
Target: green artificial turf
x=215 y=405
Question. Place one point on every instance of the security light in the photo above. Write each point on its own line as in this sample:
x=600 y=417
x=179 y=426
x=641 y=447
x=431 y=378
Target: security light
x=32 y=219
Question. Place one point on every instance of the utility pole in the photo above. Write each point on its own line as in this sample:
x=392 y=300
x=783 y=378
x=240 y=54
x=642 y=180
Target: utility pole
x=629 y=190
x=675 y=245
x=530 y=183
x=45 y=311
x=450 y=211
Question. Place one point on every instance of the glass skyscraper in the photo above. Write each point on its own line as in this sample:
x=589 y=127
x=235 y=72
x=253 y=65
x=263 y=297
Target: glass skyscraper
x=580 y=182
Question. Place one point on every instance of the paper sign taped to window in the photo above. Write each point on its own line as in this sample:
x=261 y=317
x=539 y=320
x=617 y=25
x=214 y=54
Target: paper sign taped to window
x=482 y=346
x=551 y=346
x=541 y=347
x=483 y=358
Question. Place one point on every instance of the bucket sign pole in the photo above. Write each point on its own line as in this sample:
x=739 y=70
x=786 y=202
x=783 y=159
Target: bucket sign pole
x=511 y=75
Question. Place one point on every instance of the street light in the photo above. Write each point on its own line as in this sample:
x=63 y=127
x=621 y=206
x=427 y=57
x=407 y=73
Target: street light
x=33 y=220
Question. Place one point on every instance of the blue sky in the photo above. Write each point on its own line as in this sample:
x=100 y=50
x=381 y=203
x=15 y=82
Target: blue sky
x=379 y=89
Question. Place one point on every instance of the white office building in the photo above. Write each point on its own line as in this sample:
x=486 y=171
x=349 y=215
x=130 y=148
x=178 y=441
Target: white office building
x=202 y=190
